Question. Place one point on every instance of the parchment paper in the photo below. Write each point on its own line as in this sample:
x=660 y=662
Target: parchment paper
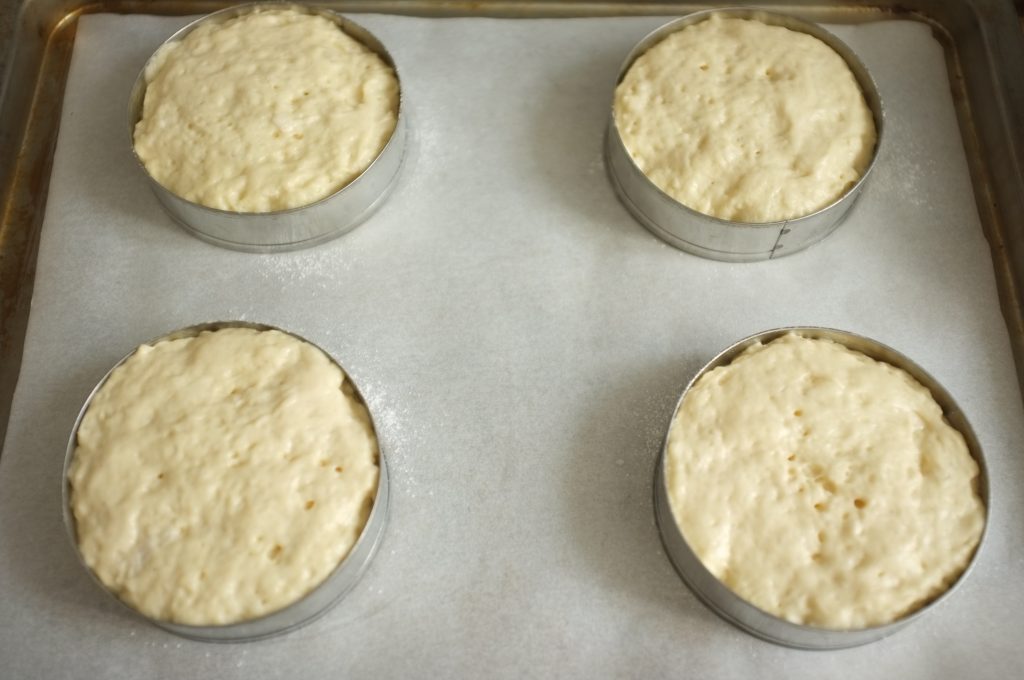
x=522 y=342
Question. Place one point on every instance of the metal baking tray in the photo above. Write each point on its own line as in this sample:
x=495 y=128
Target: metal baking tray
x=984 y=53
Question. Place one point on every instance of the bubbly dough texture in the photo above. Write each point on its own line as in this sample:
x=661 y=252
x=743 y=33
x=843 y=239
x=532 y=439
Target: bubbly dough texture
x=271 y=110
x=222 y=477
x=745 y=121
x=823 y=486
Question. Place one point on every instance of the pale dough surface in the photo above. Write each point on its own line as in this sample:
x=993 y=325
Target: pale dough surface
x=745 y=121
x=222 y=477
x=267 y=111
x=823 y=486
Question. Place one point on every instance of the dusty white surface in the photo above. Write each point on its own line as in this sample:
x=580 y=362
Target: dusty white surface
x=522 y=343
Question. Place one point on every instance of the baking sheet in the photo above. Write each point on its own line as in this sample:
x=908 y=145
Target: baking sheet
x=522 y=342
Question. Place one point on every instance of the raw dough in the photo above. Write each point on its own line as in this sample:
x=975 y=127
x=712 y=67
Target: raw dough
x=267 y=111
x=823 y=486
x=221 y=477
x=745 y=121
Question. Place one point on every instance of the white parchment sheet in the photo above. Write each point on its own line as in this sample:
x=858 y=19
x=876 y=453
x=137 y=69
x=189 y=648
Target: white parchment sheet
x=522 y=343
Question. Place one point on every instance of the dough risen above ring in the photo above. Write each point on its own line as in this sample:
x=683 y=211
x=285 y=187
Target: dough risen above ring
x=221 y=477
x=822 y=486
x=271 y=110
x=745 y=121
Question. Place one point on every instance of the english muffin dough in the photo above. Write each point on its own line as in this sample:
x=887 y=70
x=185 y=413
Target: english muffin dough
x=823 y=486
x=222 y=477
x=271 y=110
x=745 y=121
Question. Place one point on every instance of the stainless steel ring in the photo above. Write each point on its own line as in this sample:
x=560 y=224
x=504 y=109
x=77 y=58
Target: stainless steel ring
x=308 y=608
x=730 y=606
x=293 y=228
x=712 y=237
